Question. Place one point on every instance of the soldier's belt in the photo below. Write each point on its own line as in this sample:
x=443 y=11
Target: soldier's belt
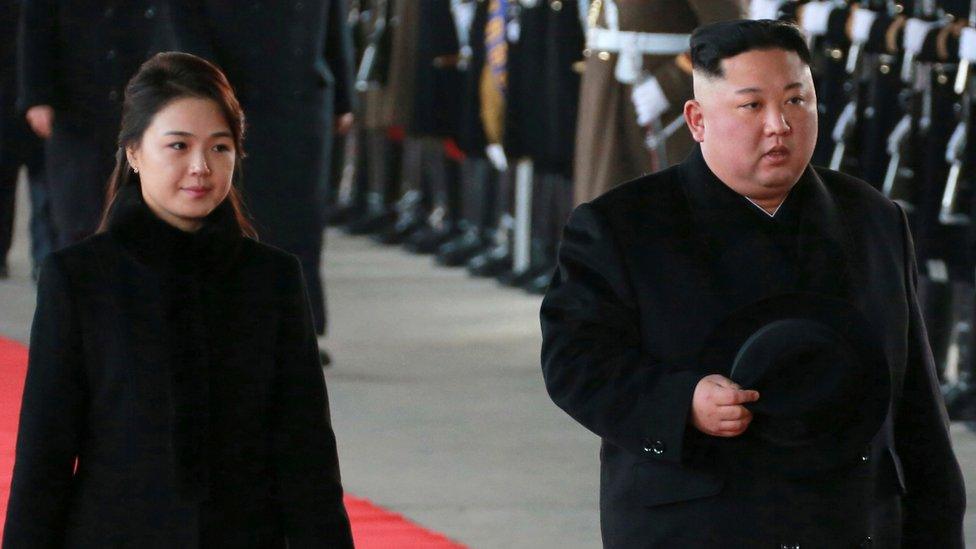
x=649 y=43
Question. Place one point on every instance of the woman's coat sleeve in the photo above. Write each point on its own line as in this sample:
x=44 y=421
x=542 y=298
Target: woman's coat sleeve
x=52 y=418
x=305 y=459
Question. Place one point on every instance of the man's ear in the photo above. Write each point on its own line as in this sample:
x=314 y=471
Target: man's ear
x=695 y=119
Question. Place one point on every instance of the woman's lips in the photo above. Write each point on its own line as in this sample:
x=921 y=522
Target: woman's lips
x=196 y=192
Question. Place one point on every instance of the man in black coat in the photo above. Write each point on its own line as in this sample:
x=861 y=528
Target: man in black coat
x=648 y=270
x=291 y=66
x=74 y=59
x=19 y=147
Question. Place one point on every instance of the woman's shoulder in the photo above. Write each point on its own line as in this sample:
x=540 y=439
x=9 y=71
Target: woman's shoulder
x=266 y=253
x=275 y=262
x=82 y=254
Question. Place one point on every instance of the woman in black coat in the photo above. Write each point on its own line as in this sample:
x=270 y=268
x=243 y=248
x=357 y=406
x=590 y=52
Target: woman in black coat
x=174 y=396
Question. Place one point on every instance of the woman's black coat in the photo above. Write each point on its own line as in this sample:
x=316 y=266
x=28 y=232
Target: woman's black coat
x=291 y=66
x=174 y=397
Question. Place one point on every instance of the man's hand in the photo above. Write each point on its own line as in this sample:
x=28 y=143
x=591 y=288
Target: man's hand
x=649 y=101
x=343 y=123
x=717 y=406
x=41 y=118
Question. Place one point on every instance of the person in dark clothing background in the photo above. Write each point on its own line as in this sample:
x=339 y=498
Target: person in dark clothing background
x=647 y=271
x=73 y=60
x=291 y=64
x=19 y=147
x=174 y=396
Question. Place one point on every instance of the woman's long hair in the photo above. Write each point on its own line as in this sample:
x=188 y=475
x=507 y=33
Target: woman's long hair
x=162 y=79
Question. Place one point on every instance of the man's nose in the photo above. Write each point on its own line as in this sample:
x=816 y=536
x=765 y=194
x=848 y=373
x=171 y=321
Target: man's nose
x=776 y=122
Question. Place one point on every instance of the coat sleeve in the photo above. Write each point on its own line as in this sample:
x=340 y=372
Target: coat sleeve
x=935 y=499
x=339 y=56
x=52 y=418
x=592 y=358
x=37 y=52
x=305 y=459
x=676 y=83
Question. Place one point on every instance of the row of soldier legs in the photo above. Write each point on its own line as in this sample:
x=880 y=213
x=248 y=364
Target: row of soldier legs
x=423 y=193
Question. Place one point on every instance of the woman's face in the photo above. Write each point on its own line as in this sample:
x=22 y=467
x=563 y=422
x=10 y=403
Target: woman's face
x=185 y=162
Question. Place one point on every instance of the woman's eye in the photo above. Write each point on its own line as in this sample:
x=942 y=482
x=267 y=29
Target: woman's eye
x=179 y=145
x=222 y=148
x=797 y=100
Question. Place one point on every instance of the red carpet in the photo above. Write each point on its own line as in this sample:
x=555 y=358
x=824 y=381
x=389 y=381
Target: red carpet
x=372 y=526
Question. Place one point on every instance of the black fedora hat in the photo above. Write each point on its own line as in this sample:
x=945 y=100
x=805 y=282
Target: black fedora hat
x=821 y=373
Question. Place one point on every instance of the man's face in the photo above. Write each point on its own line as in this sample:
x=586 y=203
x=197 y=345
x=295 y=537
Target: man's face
x=758 y=123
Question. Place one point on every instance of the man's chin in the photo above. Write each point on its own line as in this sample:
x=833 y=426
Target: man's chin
x=779 y=178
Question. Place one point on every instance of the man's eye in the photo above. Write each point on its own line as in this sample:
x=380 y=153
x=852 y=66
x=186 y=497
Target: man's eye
x=179 y=145
x=751 y=106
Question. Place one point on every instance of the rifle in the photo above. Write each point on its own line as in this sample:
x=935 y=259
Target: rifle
x=367 y=75
x=917 y=101
x=951 y=212
x=859 y=71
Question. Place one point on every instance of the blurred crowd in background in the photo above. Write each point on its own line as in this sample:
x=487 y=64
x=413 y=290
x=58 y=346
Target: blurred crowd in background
x=469 y=129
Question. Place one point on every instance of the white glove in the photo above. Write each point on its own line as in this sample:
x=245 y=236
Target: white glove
x=496 y=154
x=915 y=32
x=815 y=17
x=967 y=44
x=513 y=31
x=649 y=101
x=764 y=9
x=463 y=13
x=861 y=25
x=630 y=61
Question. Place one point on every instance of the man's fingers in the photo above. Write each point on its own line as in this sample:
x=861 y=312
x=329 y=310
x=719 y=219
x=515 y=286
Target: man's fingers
x=733 y=413
x=730 y=397
x=723 y=382
x=741 y=397
x=731 y=428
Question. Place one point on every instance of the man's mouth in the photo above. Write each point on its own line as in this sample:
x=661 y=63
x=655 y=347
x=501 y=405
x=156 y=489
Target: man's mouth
x=777 y=153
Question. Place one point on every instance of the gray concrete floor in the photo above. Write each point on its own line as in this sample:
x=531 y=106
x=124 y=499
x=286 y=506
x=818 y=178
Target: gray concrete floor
x=438 y=402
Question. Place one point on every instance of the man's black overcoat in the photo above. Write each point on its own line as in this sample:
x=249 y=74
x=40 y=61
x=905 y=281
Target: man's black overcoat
x=174 y=397
x=77 y=56
x=643 y=278
x=291 y=65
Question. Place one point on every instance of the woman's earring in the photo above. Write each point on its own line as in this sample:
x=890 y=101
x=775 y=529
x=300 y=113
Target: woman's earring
x=135 y=169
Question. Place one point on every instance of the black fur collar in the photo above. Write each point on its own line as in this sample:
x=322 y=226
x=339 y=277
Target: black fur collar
x=152 y=241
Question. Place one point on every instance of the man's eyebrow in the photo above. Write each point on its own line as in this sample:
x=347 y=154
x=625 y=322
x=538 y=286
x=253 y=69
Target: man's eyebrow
x=188 y=134
x=791 y=86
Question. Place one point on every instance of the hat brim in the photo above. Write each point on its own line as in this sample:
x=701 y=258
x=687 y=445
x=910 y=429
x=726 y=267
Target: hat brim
x=861 y=366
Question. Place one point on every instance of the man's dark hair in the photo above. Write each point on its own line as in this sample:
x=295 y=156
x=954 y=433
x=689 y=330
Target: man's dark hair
x=712 y=43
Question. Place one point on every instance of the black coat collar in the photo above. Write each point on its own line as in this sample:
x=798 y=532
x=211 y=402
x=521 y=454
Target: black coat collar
x=153 y=242
x=824 y=249
x=188 y=264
